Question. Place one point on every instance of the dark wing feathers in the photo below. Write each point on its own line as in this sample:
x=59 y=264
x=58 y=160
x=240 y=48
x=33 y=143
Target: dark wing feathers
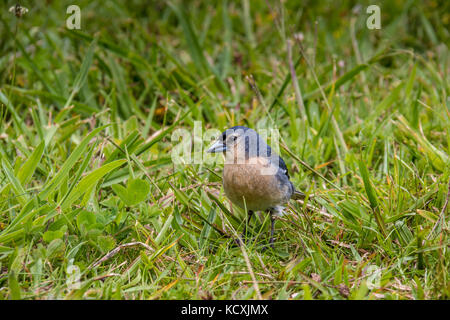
x=282 y=166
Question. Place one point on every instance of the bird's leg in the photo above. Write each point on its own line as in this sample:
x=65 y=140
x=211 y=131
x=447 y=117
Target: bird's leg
x=272 y=227
x=240 y=239
x=249 y=217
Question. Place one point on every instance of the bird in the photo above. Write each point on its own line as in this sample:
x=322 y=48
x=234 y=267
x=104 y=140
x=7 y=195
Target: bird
x=254 y=177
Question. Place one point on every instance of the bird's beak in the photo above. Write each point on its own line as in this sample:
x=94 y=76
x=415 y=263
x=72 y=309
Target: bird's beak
x=217 y=147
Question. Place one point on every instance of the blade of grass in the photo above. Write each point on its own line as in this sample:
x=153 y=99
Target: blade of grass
x=68 y=164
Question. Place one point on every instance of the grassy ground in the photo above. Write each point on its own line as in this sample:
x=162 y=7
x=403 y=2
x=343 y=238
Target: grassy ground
x=92 y=206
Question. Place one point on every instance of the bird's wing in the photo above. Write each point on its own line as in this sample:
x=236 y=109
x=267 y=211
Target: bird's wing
x=283 y=175
x=275 y=159
x=281 y=165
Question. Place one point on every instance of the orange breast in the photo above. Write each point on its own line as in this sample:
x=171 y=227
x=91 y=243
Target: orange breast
x=253 y=185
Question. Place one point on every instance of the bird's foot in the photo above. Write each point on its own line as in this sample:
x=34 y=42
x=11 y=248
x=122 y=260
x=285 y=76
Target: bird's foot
x=241 y=239
x=271 y=245
x=238 y=241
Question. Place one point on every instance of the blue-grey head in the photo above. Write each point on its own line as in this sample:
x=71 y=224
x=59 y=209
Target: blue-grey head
x=241 y=142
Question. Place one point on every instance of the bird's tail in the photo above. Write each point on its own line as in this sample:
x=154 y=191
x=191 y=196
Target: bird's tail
x=297 y=195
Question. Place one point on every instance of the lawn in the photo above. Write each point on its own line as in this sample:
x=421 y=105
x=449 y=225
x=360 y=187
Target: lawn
x=95 y=202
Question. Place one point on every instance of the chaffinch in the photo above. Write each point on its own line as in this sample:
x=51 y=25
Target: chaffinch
x=254 y=177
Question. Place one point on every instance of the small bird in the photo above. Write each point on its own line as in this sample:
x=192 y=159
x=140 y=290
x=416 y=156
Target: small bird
x=254 y=177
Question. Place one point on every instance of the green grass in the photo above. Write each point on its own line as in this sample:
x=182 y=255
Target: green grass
x=87 y=181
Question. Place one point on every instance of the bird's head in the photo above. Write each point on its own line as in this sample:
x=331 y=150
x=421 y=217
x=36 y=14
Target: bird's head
x=240 y=142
